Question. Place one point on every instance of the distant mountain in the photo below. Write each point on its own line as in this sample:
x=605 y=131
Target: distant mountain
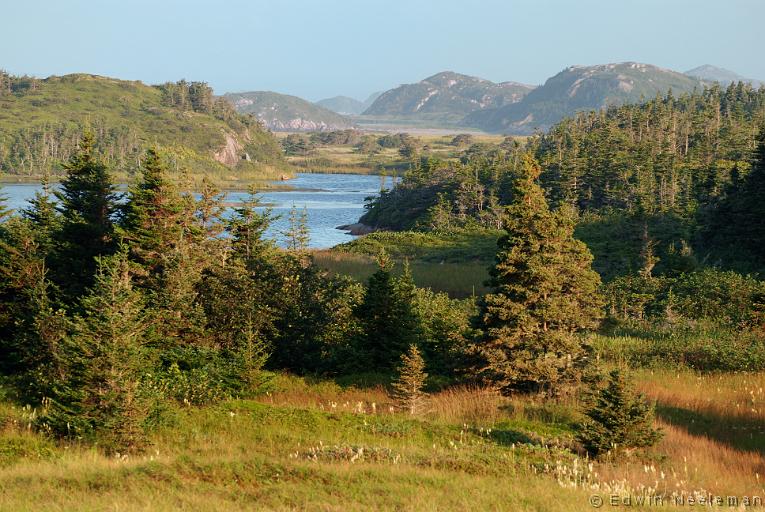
x=42 y=120
x=346 y=105
x=710 y=73
x=581 y=88
x=446 y=95
x=281 y=112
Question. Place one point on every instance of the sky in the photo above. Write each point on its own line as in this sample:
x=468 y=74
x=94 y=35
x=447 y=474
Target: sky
x=322 y=48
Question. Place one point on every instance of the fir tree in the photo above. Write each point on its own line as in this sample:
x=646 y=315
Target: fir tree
x=543 y=292
x=42 y=214
x=247 y=228
x=105 y=358
x=390 y=320
x=408 y=386
x=153 y=218
x=618 y=420
x=297 y=234
x=87 y=205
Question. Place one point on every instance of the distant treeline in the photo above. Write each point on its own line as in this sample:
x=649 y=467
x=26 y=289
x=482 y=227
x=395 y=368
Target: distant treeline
x=674 y=170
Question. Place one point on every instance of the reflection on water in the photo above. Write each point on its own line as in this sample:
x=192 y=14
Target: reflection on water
x=330 y=200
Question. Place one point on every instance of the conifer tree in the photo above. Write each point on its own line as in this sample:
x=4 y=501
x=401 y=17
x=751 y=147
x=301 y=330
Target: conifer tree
x=239 y=317
x=619 y=420
x=408 y=386
x=543 y=292
x=87 y=205
x=153 y=224
x=388 y=316
x=43 y=215
x=297 y=234
x=169 y=237
x=247 y=228
x=38 y=347
x=105 y=357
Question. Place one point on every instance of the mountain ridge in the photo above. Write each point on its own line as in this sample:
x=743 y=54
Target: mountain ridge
x=446 y=94
x=283 y=112
x=578 y=88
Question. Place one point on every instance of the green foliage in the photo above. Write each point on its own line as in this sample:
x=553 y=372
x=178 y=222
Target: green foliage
x=618 y=420
x=40 y=127
x=104 y=358
x=736 y=229
x=297 y=233
x=388 y=317
x=700 y=345
x=410 y=381
x=544 y=292
x=723 y=297
x=87 y=202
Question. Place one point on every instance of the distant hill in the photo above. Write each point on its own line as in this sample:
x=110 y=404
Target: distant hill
x=42 y=120
x=281 y=112
x=346 y=105
x=711 y=73
x=448 y=96
x=581 y=88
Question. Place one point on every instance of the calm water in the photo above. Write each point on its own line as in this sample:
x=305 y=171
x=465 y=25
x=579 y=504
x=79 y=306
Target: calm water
x=330 y=200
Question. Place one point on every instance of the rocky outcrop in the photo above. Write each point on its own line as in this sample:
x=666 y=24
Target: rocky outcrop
x=357 y=229
x=231 y=152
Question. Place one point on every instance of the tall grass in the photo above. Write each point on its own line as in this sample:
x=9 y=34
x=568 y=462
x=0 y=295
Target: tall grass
x=459 y=280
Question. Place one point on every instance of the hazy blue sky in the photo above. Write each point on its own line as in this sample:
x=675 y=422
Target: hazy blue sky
x=322 y=48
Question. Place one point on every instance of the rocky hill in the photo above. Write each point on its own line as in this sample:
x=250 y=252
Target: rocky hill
x=281 y=112
x=448 y=96
x=581 y=88
x=711 y=73
x=42 y=120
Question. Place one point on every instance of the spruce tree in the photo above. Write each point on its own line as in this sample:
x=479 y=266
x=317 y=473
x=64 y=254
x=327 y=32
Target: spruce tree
x=247 y=227
x=543 y=292
x=297 y=234
x=87 y=205
x=42 y=214
x=618 y=420
x=408 y=386
x=153 y=218
x=166 y=237
x=388 y=315
x=105 y=358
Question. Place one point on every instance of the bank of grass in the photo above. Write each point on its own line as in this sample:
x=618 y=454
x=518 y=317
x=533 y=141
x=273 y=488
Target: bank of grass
x=316 y=445
x=459 y=280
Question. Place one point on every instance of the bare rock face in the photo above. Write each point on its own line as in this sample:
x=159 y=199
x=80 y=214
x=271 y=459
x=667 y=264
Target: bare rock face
x=231 y=152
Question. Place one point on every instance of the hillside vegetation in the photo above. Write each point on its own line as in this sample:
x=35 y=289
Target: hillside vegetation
x=41 y=122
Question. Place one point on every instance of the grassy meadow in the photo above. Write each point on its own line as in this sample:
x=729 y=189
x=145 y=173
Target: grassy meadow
x=317 y=445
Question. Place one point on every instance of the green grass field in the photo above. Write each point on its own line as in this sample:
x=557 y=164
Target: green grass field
x=314 y=445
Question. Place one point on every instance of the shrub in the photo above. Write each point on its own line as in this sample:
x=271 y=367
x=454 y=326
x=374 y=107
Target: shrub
x=618 y=421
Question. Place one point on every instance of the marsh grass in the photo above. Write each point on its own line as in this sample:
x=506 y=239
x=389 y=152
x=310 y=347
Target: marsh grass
x=459 y=280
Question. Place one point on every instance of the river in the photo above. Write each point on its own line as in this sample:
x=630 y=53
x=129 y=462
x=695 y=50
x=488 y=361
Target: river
x=330 y=200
